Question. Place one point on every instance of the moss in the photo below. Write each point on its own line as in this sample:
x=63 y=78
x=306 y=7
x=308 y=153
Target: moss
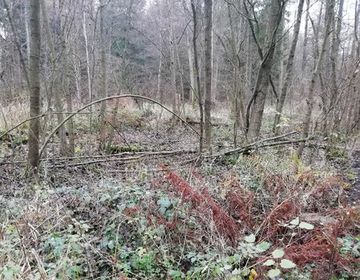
x=115 y=149
x=335 y=153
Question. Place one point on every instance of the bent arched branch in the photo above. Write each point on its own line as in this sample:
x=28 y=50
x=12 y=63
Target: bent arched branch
x=106 y=99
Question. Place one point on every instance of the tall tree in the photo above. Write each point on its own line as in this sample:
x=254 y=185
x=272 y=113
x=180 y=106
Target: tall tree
x=103 y=87
x=311 y=92
x=208 y=71
x=335 y=45
x=289 y=69
x=54 y=86
x=197 y=87
x=257 y=101
x=174 y=92
x=34 y=80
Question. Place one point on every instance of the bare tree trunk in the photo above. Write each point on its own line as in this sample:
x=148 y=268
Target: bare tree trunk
x=306 y=39
x=34 y=79
x=77 y=71
x=197 y=74
x=237 y=106
x=289 y=69
x=181 y=82
x=88 y=72
x=215 y=78
x=315 y=74
x=351 y=103
x=263 y=78
x=208 y=72
x=159 y=94
x=69 y=105
x=54 y=83
x=103 y=87
x=249 y=64
x=174 y=93
x=193 y=89
x=334 y=117
x=27 y=29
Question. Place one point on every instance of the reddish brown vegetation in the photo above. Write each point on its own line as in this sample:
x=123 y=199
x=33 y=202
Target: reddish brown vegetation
x=226 y=225
x=272 y=227
x=240 y=211
x=275 y=184
x=240 y=206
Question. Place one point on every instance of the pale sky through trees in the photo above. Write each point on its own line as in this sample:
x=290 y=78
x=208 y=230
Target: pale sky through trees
x=348 y=17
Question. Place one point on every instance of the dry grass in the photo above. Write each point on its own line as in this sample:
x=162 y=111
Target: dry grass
x=13 y=114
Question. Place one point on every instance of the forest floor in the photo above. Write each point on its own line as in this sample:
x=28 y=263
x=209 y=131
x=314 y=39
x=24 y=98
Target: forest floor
x=150 y=208
x=354 y=192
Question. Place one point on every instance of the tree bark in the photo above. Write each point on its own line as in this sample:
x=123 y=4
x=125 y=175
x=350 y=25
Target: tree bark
x=181 y=97
x=103 y=83
x=54 y=83
x=263 y=78
x=88 y=72
x=334 y=117
x=289 y=69
x=311 y=98
x=208 y=71
x=27 y=29
x=197 y=74
x=174 y=93
x=34 y=80
x=193 y=89
x=159 y=91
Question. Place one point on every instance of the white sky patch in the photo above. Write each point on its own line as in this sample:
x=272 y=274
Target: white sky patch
x=148 y=4
x=2 y=32
x=348 y=13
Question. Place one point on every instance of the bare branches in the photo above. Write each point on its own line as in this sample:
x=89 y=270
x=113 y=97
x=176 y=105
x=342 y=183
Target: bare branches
x=106 y=99
x=17 y=44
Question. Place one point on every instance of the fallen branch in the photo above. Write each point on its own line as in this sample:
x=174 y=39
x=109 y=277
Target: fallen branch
x=145 y=153
x=106 y=99
x=182 y=165
x=96 y=162
x=263 y=143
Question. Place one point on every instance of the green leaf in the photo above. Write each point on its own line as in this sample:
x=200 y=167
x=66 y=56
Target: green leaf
x=287 y=264
x=269 y=262
x=295 y=222
x=164 y=202
x=245 y=271
x=175 y=273
x=9 y=272
x=263 y=246
x=278 y=253
x=307 y=226
x=273 y=273
x=250 y=238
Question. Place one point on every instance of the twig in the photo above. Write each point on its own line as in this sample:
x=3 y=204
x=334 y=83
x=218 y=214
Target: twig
x=40 y=265
x=20 y=124
x=96 y=162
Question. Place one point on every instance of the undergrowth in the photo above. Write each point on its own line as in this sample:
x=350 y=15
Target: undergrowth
x=253 y=217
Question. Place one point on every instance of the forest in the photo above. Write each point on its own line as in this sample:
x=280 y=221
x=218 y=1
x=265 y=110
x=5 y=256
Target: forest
x=180 y=139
